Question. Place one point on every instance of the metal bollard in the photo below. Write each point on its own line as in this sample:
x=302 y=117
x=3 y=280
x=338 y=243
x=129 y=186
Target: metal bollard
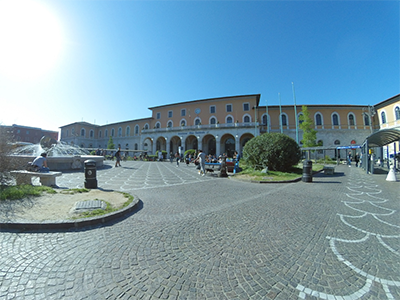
x=90 y=174
x=307 y=171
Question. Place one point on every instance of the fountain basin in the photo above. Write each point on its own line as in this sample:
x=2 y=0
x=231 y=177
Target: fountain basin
x=60 y=163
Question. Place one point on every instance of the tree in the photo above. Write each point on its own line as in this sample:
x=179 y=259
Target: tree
x=110 y=144
x=307 y=125
x=7 y=163
x=276 y=151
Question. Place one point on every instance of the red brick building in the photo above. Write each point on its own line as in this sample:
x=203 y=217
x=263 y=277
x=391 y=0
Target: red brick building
x=28 y=134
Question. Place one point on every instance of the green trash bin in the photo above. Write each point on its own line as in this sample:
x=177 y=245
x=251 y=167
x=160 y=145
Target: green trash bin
x=90 y=174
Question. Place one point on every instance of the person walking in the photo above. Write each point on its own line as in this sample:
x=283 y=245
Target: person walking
x=202 y=160
x=349 y=159
x=118 y=157
x=177 y=156
x=356 y=159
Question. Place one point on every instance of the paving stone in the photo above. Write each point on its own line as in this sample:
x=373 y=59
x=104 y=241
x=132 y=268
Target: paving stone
x=216 y=238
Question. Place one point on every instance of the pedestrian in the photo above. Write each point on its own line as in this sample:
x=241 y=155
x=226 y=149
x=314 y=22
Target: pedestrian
x=356 y=159
x=202 y=160
x=160 y=156
x=40 y=163
x=171 y=157
x=118 y=157
x=236 y=157
x=349 y=159
x=177 y=156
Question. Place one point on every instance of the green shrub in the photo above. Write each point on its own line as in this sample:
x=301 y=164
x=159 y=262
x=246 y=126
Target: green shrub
x=276 y=151
x=190 y=151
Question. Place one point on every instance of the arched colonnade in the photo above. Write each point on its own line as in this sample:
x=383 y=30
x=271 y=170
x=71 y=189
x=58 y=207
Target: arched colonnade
x=209 y=143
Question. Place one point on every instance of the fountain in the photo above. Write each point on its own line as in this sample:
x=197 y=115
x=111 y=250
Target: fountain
x=60 y=155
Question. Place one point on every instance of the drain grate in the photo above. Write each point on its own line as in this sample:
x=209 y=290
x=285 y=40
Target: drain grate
x=91 y=204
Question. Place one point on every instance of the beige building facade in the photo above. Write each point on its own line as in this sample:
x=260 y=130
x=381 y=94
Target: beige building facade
x=223 y=125
x=388 y=115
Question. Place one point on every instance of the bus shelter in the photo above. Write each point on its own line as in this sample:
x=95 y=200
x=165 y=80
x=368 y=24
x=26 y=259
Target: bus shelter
x=380 y=138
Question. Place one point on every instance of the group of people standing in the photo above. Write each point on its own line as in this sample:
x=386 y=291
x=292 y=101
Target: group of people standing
x=357 y=159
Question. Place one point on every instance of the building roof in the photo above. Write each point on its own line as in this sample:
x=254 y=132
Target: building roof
x=384 y=137
x=79 y=123
x=210 y=99
x=388 y=101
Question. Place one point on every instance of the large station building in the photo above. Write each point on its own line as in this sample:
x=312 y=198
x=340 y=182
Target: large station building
x=223 y=125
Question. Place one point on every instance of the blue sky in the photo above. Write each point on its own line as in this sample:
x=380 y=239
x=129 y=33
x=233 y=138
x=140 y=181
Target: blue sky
x=114 y=59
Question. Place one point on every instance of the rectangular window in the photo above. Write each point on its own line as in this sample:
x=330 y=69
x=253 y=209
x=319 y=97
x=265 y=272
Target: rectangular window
x=229 y=108
x=170 y=114
x=183 y=112
x=246 y=106
x=158 y=116
x=212 y=109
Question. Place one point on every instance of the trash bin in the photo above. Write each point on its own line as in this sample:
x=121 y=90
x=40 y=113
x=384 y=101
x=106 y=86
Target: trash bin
x=90 y=174
x=307 y=171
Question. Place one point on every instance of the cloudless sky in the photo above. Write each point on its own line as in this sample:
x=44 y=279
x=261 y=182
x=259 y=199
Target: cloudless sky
x=102 y=62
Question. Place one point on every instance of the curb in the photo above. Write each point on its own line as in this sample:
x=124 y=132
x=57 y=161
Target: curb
x=265 y=181
x=70 y=224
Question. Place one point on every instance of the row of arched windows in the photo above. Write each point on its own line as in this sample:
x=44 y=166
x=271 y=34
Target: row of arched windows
x=396 y=113
x=318 y=121
x=119 y=133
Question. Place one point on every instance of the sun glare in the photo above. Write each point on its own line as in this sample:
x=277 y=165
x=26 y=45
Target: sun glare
x=30 y=39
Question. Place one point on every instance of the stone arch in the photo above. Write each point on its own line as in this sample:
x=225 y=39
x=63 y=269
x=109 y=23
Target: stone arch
x=161 y=144
x=209 y=144
x=228 y=144
x=174 y=143
x=147 y=144
x=244 y=138
x=191 y=142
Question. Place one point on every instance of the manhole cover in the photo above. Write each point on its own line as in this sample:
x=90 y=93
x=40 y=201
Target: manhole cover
x=91 y=204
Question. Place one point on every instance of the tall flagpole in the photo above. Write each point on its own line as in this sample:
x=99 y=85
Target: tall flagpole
x=295 y=114
x=280 y=113
x=267 y=118
x=255 y=120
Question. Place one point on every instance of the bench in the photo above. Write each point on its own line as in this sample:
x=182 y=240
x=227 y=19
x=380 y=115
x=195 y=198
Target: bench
x=329 y=170
x=210 y=167
x=25 y=177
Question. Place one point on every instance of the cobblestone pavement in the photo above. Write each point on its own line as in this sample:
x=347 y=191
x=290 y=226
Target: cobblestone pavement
x=216 y=238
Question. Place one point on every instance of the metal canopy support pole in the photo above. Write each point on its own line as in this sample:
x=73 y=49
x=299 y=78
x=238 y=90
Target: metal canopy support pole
x=295 y=115
x=365 y=157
